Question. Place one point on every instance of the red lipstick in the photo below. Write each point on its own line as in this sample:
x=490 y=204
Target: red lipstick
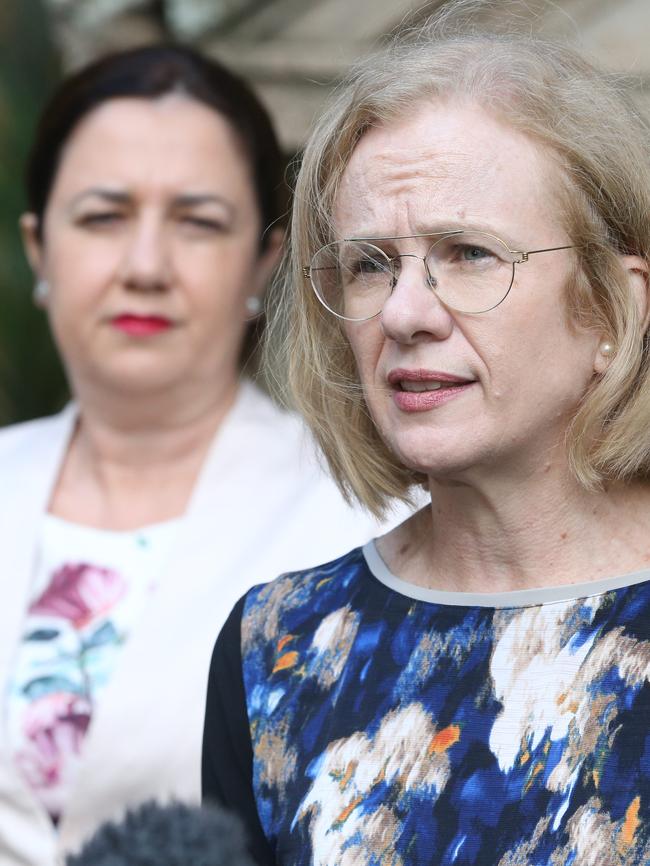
x=421 y=390
x=141 y=326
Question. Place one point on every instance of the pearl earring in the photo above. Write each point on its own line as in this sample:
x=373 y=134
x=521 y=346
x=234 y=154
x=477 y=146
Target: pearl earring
x=41 y=292
x=253 y=305
x=606 y=349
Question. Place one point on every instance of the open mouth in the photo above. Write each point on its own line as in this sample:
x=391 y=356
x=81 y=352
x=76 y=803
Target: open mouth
x=418 y=390
x=432 y=385
x=403 y=379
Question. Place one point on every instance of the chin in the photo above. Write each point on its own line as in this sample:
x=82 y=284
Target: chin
x=138 y=379
x=441 y=455
x=442 y=466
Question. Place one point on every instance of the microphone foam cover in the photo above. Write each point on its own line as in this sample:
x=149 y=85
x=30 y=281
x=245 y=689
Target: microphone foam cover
x=169 y=835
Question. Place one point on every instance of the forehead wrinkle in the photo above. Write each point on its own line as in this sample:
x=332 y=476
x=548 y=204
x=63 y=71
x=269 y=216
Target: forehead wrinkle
x=402 y=167
x=450 y=166
x=412 y=184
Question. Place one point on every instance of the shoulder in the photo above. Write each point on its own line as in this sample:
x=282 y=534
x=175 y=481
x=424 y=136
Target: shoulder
x=254 y=406
x=284 y=434
x=299 y=601
x=289 y=472
x=30 y=435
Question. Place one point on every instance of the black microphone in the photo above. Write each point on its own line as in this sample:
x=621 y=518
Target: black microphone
x=172 y=835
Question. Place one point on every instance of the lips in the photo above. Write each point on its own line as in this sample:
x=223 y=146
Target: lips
x=421 y=390
x=429 y=385
x=141 y=326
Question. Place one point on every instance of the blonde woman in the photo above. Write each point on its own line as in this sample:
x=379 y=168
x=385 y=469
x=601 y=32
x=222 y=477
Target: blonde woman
x=466 y=308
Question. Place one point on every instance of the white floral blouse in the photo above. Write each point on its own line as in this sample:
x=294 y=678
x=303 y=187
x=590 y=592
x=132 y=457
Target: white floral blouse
x=90 y=588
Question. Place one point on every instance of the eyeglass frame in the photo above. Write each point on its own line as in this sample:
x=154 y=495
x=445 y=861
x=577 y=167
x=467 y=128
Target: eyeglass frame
x=523 y=257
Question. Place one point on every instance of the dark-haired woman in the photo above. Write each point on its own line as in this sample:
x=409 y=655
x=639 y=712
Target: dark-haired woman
x=133 y=520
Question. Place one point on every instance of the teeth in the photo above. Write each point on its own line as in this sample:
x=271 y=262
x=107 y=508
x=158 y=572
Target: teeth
x=421 y=386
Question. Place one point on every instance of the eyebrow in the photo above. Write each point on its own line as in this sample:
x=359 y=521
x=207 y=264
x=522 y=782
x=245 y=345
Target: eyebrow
x=422 y=229
x=192 y=199
x=117 y=196
x=438 y=228
x=113 y=195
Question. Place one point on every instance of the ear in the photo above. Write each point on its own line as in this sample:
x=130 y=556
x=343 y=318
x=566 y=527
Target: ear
x=32 y=243
x=638 y=276
x=268 y=260
x=638 y=272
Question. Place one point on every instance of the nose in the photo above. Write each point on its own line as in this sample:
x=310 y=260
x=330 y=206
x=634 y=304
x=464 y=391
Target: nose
x=146 y=266
x=413 y=311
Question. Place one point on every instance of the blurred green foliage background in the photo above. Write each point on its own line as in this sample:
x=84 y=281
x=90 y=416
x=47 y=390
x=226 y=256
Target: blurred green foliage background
x=31 y=379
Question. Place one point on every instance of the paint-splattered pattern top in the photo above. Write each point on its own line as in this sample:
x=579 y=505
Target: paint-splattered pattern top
x=388 y=730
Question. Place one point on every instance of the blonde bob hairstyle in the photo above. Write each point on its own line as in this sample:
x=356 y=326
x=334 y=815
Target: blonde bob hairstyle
x=585 y=122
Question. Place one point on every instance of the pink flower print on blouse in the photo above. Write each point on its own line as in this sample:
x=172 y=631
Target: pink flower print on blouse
x=54 y=728
x=79 y=593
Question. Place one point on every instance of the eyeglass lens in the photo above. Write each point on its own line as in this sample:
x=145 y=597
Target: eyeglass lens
x=470 y=272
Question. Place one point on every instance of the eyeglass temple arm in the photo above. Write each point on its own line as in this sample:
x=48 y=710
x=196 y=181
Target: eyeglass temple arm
x=307 y=270
x=524 y=254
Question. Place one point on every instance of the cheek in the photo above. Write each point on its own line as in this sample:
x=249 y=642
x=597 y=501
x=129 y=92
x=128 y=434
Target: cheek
x=366 y=341
x=212 y=305
x=544 y=374
x=79 y=273
x=217 y=281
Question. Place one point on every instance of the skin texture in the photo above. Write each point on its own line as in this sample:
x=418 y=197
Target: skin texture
x=152 y=212
x=506 y=511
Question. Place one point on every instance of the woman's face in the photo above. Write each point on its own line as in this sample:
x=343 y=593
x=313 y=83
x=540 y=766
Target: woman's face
x=151 y=247
x=451 y=391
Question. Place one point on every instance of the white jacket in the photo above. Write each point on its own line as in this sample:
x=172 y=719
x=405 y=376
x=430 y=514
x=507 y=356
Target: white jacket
x=261 y=506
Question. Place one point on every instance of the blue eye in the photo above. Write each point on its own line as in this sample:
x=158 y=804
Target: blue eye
x=370 y=266
x=471 y=254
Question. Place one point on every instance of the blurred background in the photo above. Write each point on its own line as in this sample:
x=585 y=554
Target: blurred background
x=292 y=51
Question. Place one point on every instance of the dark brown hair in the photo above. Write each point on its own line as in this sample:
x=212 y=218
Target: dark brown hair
x=147 y=73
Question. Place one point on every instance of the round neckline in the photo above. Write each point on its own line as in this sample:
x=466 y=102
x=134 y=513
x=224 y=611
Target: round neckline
x=150 y=528
x=533 y=597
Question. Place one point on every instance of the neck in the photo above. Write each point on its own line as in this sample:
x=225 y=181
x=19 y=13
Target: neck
x=492 y=535
x=134 y=461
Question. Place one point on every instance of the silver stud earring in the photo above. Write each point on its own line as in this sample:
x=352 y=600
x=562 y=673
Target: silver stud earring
x=253 y=305
x=606 y=349
x=41 y=292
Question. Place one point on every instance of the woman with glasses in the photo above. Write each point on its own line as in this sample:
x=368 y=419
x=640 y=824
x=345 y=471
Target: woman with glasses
x=465 y=309
x=133 y=521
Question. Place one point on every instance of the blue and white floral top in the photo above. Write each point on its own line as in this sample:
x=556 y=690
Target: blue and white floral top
x=357 y=720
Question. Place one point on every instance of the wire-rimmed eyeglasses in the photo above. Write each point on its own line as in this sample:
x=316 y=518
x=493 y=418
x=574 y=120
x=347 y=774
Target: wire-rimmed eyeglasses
x=470 y=272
